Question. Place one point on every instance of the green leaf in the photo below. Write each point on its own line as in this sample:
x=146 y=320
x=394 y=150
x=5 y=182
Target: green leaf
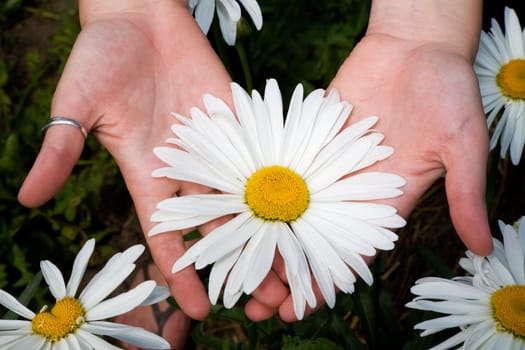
x=195 y=234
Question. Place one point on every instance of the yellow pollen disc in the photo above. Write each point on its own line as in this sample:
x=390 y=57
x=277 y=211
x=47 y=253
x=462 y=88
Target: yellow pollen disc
x=65 y=318
x=508 y=307
x=511 y=79
x=276 y=193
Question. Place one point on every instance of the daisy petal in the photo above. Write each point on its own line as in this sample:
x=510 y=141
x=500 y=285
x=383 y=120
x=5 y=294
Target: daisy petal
x=274 y=106
x=319 y=268
x=210 y=205
x=94 y=341
x=444 y=289
x=27 y=342
x=297 y=270
x=158 y=294
x=219 y=242
x=185 y=168
x=290 y=140
x=204 y=14
x=514 y=252
x=79 y=267
x=10 y=302
x=69 y=343
x=451 y=321
x=254 y=11
x=128 y=334
x=262 y=259
x=54 y=279
x=359 y=265
x=116 y=270
x=219 y=272
x=7 y=325
x=364 y=186
x=513 y=34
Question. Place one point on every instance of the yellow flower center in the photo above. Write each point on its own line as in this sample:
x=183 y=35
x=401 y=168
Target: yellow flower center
x=65 y=318
x=511 y=79
x=276 y=193
x=508 y=307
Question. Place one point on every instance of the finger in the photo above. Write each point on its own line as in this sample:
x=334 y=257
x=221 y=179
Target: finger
x=60 y=151
x=465 y=187
x=62 y=144
x=272 y=291
x=146 y=191
x=256 y=311
x=267 y=298
x=469 y=215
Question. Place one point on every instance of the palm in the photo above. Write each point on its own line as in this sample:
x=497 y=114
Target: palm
x=430 y=112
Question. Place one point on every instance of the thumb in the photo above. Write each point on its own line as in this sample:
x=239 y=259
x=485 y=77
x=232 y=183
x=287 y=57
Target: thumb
x=60 y=151
x=62 y=143
x=465 y=187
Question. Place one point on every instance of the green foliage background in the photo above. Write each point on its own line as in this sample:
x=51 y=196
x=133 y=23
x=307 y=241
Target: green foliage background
x=301 y=41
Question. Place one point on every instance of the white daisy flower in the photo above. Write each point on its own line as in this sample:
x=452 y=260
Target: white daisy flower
x=74 y=322
x=289 y=184
x=488 y=306
x=500 y=67
x=229 y=13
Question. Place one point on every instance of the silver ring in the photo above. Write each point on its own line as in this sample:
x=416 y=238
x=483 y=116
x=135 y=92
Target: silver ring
x=65 y=121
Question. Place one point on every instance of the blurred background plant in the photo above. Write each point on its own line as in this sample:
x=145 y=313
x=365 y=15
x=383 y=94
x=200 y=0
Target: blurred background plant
x=301 y=41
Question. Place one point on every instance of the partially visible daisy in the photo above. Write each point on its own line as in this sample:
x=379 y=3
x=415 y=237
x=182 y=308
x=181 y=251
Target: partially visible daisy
x=75 y=321
x=500 y=67
x=229 y=13
x=488 y=306
x=298 y=186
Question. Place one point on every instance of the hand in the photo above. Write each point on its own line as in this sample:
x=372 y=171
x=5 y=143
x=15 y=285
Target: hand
x=430 y=111
x=131 y=66
x=426 y=95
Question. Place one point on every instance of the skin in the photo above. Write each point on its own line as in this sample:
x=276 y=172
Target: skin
x=420 y=82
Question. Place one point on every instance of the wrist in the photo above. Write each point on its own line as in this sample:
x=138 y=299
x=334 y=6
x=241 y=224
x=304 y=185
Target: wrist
x=452 y=23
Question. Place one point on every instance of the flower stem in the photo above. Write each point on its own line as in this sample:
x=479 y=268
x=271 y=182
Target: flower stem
x=244 y=64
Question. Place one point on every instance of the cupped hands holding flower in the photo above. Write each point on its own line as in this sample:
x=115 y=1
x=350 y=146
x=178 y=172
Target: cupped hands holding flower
x=134 y=63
